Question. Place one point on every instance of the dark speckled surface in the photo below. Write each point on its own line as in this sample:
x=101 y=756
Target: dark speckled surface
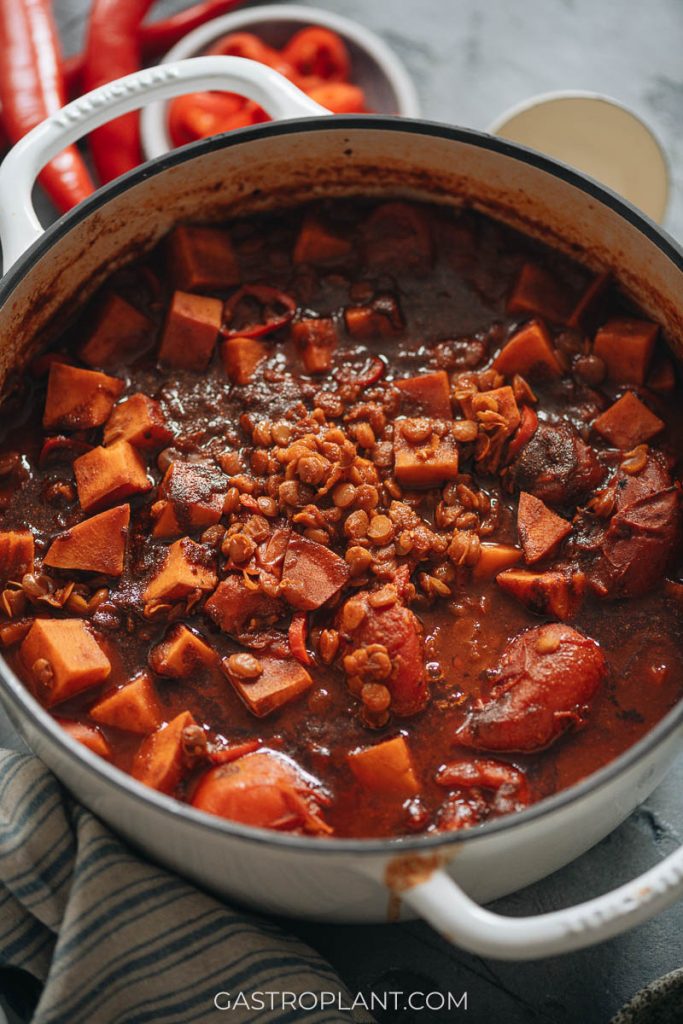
x=471 y=60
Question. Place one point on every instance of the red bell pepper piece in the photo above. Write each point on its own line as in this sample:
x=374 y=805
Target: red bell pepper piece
x=276 y=309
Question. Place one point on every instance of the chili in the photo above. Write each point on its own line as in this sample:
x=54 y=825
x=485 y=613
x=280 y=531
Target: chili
x=32 y=87
x=404 y=561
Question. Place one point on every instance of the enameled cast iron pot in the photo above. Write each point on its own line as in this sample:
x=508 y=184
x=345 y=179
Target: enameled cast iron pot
x=437 y=877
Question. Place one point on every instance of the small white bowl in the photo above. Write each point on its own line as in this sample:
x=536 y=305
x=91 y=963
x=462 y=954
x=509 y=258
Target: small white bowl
x=387 y=85
x=596 y=135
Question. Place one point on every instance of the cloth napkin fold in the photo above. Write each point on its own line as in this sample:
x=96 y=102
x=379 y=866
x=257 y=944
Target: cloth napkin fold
x=117 y=940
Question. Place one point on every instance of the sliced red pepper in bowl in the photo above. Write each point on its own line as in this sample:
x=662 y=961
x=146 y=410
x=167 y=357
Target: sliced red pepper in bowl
x=320 y=52
x=273 y=309
x=202 y=114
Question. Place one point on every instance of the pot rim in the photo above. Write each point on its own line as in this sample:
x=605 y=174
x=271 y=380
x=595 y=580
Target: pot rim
x=25 y=704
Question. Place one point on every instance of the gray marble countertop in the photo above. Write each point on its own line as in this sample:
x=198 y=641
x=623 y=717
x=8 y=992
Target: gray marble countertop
x=471 y=60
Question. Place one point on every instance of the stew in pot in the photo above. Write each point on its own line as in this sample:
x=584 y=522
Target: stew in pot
x=360 y=519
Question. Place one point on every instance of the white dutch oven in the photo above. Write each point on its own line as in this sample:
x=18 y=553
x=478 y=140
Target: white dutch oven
x=442 y=878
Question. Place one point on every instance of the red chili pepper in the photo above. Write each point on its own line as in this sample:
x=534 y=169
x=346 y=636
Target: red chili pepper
x=32 y=87
x=269 y=300
x=224 y=755
x=62 y=449
x=297 y=638
x=207 y=113
x=339 y=97
x=319 y=52
x=155 y=38
x=375 y=372
x=113 y=49
x=246 y=44
x=525 y=431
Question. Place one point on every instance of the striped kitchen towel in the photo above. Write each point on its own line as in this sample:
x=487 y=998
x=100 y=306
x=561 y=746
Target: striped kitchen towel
x=117 y=940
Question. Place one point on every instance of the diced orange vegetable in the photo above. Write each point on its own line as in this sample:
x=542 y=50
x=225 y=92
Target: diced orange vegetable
x=139 y=421
x=318 y=245
x=162 y=758
x=121 y=334
x=429 y=394
x=89 y=735
x=17 y=550
x=316 y=340
x=202 y=259
x=63 y=658
x=311 y=573
x=423 y=463
x=95 y=545
x=386 y=768
x=78 y=399
x=662 y=378
x=364 y=322
x=190 y=332
x=504 y=404
x=187 y=567
x=528 y=351
x=541 y=530
x=181 y=654
x=557 y=592
x=628 y=422
x=191 y=496
x=241 y=356
x=134 y=707
x=263 y=789
x=494 y=558
x=626 y=346
x=587 y=309
x=107 y=475
x=280 y=682
x=537 y=292
x=233 y=604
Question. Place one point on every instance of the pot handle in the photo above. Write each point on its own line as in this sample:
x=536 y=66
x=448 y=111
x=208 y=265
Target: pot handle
x=19 y=225
x=433 y=895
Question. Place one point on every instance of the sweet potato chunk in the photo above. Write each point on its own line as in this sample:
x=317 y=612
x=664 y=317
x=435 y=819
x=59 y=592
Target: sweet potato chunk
x=202 y=259
x=528 y=351
x=279 y=683
x=626 y=346
x=164 y=756
x=537 y=292
x=190 y=332
x=318 y=245
x=587 y=309
x=494 y=558
x=311 y=574
x=78 y=399
x=541 y=531
x=240 y=358
x=120 y=335
x=423 y=456
x=139 y=421
x=17 y=550
x=89 y=735
x=366 y=322
x=316 y=340
x=233 y=605
x=187 y=567
x=557 y=592
x=266 y=790
x=95 y=545
x=63 y=658
x=500 y=402
x=191 y=496
x=133 y=707
x=628 y=422
x=386 y=768
x=181 y=654
x=107 y=475
x=428 y=395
